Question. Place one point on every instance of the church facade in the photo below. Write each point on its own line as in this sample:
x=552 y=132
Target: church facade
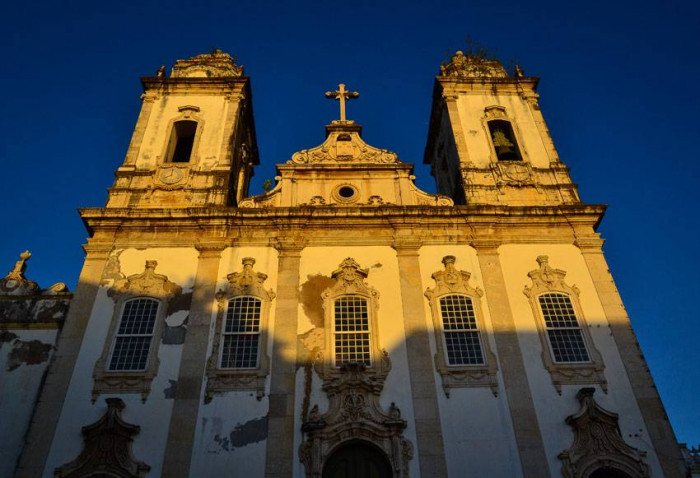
x=344 y=323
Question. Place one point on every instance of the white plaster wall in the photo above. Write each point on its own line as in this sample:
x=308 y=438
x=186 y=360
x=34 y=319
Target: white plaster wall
x=477 y=427
x=471 y=113
x=153 y=416
x=226 y=438
x=212 y=112
x=552 y=409
x=383 y=276
x=20 y=387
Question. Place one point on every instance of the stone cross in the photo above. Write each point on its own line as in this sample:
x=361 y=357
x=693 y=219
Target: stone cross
x=342 y=94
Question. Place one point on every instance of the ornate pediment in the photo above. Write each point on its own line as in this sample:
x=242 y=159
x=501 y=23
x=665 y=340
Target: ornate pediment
x=216 y=64
x=107 y=448
x=354 y=413
x=16 y=283
x=350 y=279
x=546 y=278
x=247 y=282
x=147 y=283
x=451 y=280
x=467 y=66
x=598 y=443
x=343 y=146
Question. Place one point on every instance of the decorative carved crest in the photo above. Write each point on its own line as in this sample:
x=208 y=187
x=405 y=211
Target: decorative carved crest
x=547 y=278
x=463 y=66
x=107 y=448
x=513 y=173
x=350 y=279
x=247 y=282
x=344 y=147
x=16 y=283
x=354 y=413
x=147 y=283
x=216 y=64
x=598 y=443
x=451 y=280
x=495 y=112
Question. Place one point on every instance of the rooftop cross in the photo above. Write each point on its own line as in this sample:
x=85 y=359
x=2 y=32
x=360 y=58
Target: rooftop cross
x=342 y=94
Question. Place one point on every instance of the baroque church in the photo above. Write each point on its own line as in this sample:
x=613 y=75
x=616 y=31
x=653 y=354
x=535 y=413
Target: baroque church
x=344 y=323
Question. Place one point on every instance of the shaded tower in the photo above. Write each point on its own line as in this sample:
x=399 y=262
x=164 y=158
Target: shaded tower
x=488 y=142
x=194 y=143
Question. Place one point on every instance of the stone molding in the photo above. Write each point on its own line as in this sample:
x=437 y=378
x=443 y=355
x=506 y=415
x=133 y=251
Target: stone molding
x=107 y=448
x=350 y=280
x=598 y=443
x=451 y=281
x=354 y=413
x=547 y=279
x=245 y=283
x=147 y=284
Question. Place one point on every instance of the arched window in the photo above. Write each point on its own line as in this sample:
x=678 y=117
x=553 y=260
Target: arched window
x=181 y=141
x=460 y=331
x=351 y=330
x=504 y=141
x=132 y=341
x=563 y=329
x=241 y=333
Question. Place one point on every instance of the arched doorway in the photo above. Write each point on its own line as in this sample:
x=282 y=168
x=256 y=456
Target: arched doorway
x=608 y=472
x=357 y=460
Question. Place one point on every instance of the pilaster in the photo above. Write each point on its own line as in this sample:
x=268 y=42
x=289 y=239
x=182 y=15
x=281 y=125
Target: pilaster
x=528 y=436
x=140 y=129
x=280 y=456
x=431 y=450
x=648 y=400
x=189 y=396
x=50 y=403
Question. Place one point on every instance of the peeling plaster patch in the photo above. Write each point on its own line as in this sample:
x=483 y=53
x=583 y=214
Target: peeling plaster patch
x=250 y=432
x=112 y=271
x=378 y=265
x=177 y=319
x=174 y=335
x=178 y=303
x=28 y=353
x=49 y=310
x=171 y=390
x=311 y=297
x=6 y=336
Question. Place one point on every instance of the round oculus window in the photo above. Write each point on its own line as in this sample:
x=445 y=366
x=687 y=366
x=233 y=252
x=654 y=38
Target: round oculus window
x=345 y=193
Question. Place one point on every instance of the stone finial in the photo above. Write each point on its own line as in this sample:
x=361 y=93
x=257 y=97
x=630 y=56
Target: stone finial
x=449 y=260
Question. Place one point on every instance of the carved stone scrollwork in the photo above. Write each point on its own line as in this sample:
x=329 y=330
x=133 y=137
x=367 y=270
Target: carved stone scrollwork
x=547 y=279
x=451 y=281
x=216 y=64
x=354 y=413
x=464 y=66
x=107 y=448
x=244 y=283
x=344 y=147
x=151 y=285
x=598 y=443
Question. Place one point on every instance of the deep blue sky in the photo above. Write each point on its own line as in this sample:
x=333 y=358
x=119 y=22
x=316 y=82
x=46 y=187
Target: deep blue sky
x=618 y=91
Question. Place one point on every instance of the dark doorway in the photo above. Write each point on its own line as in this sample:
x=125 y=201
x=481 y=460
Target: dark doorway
x=357 y=460
x=609 y=473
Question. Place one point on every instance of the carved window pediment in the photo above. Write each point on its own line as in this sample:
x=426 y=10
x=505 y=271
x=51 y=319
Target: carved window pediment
x=457 y=318
x=598 y=443
x=239 y=359
x=150 y=288
x=568 y=351
x=107 y=448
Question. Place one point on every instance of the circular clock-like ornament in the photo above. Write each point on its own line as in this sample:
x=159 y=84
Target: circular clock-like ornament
x=171 y=175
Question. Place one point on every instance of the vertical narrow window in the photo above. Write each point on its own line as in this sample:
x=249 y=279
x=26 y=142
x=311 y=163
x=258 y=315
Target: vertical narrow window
x=504 y=141
x=132 y=342
x=241 y=333
x=563 y=330
x=461 y=334
x=182 y=141
x=351 y=331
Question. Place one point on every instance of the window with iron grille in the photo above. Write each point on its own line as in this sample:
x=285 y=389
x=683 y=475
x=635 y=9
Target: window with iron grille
x=241 y=333
x=351 y=330
x=132 y=342
x=460 y=331
x=563 y=330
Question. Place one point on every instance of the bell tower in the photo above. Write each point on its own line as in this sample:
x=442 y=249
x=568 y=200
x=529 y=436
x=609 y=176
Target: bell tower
x=194 y=144
x=488 y=142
